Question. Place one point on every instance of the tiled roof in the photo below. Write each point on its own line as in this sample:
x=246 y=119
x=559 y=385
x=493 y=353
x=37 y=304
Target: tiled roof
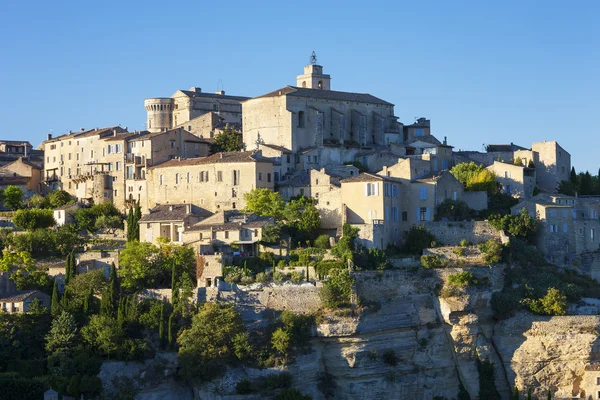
x=275 y=147
x=16 y=297
x=326 y=95
x=367 y=177
x=503 y=148
x=15 y=142
x=231 y=157
x=432 y=176
x=190 y=93
x=173 y=212
x=68 y=206
x=24 y=161
x=222 y=221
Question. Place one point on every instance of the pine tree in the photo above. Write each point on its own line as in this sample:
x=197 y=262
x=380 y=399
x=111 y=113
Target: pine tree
x=55 y=307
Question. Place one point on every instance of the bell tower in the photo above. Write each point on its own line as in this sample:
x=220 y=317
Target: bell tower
x=313 y=77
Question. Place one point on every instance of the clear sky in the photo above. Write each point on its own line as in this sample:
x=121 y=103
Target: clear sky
x=482 y=71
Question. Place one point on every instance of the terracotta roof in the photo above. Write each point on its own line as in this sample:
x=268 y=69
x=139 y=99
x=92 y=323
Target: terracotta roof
x=16 y=142
x=325 y=95
x=222 y=221
x=230 y=157
x=432 y=176
x=24 y=161
x=490 y=148
x=367 y=177
x=16 y=297
x=275 y=147
x=173 y=212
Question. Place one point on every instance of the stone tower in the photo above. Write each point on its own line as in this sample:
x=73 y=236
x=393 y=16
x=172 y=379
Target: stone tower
x=160 y=113
x=313 y=77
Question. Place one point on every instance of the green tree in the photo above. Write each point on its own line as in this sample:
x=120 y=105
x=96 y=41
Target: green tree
x=226 y=141
x=271 y=234
x=102 y=334
x=34 y=219
x=264 y=202
x=573 y=176
x=568 y=188
x=38 y=201
x=25 y=273
x=55 y=305
x=518 y=161
x=109 y=223
x=337 y=288
x=281 y=341
x=13 y=197
x=142 y=265
x=475 y=177
x=110 y=297
x=137 y=215
x=209 y=341
x=59 y=198
x=554 y=302
x=586 y=185
x=63 y=334
x=82 y=289
x=35 y=308
x=418 y=238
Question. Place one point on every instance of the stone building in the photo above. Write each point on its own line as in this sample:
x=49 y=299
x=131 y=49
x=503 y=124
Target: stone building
x=184 y=106
x=316 y=182
x=20 y=301
x=373 y=204
x=318 y=125
x=169 y=222
x=110 y=164
x=217 y=182
x=65 y=215
x=569 y=226
x=228 y=232
x=22 y=173
x=12 y=150
x=516 y=180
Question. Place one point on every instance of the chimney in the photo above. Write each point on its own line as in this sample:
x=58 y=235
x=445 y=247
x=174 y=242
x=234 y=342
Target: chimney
x=188 y=208
x=196 y=89
x=25 y=150
x=171 y=208
x=82 y=129
x=115 y=132
x=445 y=141
x=220 y=92
x=49 y=136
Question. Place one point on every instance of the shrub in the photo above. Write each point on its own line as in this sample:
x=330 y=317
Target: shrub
x=418 y=238
x=459 y=251
x=323 y=267
x=34 y=219
x=433 y=261
x=454 y=210
x=247 y=280
x=262 y=277
x=233 y=274
x=450 y=291
x=492 y=251
x=297 y=276
x=373 y=355
x=279 y=277
x=553 y=303
x=322 y=242
x=337 y=289
x=390 y=358
x=462 y=279
x=464 y=243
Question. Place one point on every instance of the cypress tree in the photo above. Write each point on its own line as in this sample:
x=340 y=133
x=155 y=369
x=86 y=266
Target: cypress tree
x=515 y=395
x=55 y=307
x=174 y=287
x=68 y=269
x=161 y=322
x=130 y=224
x=136 y=218
x=573 y=176
x=106 y=305
x=73 y=264
x=170 y=329
x=88 y=301
x=121 y=311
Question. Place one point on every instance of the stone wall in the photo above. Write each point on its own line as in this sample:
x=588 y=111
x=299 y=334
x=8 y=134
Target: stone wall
x=476 y=200
x=451 y=233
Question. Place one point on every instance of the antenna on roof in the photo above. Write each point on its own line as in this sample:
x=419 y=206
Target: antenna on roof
x=313 y=58
x=220 y=82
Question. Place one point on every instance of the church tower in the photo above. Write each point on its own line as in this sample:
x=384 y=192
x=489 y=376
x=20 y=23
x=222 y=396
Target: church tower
x=313 y=77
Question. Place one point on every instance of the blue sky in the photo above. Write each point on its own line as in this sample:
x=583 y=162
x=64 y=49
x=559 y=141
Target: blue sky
x=483 y=72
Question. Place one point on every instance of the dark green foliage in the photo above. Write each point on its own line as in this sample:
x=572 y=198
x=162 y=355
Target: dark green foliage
x=492 y=251
x=568 y=188
x=86 y=218
x=291 y=394
x=271 y=234
x=345 y=246
x=171 y=330
x=59 y=198
x=418 y=238
x=522 y=225
x=487 y=383
x=34 y=219
x=462 y=279
x=390 y=358
x=62 y=335
x=454 y=210
x=226 y=141
x=500 y=203
x=357 y=164
x=45 y=242
x=15 y=387
x=322 y=242
x=133 y=227
x=302 y=219
x=323 y=267
x=22 y=337
x=55 y=306
x=515 y=394
x=462 y=393
x=433 y=261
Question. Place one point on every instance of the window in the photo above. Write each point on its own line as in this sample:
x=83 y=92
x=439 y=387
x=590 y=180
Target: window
x=423 y=193
x=226 y=234
x=371 y=189
x=172 y=144
x=454 y=195
x=287 y=158
x=177 y=179
x=268 y=177
x=255 y=232
x=565 y=228
x=116 y=192
x=260 y=176
x=507 y=174
x=395 y=214
x=219 y=176
x=598 y=380
x=404 y=216
x=118 y=165
x=233 y=192
x=386 y=190
x=301 y=192
x=301 y=119
x=236 y=177
x=162 y=179
x=189 y=177
x=423 y=214
x=553 y=228
x=386 y=214
x=419 y=132
x=593 y=234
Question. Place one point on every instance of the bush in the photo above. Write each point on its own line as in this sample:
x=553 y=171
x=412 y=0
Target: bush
x=247 y=280
x=297 y=276
x=322 y=242
x=262 y=277
x=418 y=239
x=337 y=289
x=464 y=243
x=454 y=210
x=433 y=261
x=390 y=358
x=459 y=251
x=450 y=291
x=265 y=384
x=279 y=277
x=34 y=219
x=553 y=303
x=492 y=251
x=462 y=279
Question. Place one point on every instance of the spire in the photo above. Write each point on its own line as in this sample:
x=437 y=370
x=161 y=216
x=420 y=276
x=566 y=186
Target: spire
x=313 y=58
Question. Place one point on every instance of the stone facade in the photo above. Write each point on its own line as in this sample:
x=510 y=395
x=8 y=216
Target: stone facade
x=24 y=173
x=20 y=301
x=516 y=180
x=451 y=233
x=214 y=183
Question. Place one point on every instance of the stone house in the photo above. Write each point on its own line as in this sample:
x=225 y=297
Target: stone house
x=320 y=126
x=283 y=163
x=22 y=173
x=165 y=113
x=516 y=180
x=217 y=182
x=373 y=204
x=315 y=182
x=569 y=226
x=426 y=193
x=169 y=222
x=65 y=215
x=228 y=232
x=20 y=301
x=209 y=125
x=110 y=164
x=12 y=150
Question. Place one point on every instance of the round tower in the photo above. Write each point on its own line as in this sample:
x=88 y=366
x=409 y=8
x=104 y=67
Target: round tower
x=160 y=113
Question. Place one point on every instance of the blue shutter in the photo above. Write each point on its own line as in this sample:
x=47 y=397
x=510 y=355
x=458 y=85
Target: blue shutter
x=427 y=216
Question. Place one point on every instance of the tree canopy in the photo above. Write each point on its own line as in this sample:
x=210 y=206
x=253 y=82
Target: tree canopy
x=228 y=140
x=34 y=219
x=264 y=202
x=13 y=197
x=476 y=177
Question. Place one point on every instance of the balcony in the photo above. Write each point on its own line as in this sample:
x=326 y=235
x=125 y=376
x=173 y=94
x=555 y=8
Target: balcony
x=131 y=158
x=51 y=178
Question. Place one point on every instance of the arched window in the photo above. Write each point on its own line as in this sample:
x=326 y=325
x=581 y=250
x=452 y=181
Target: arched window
x=303 y=84
x=320 y=85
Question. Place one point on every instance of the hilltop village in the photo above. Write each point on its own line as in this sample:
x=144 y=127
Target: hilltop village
x=330 y=249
